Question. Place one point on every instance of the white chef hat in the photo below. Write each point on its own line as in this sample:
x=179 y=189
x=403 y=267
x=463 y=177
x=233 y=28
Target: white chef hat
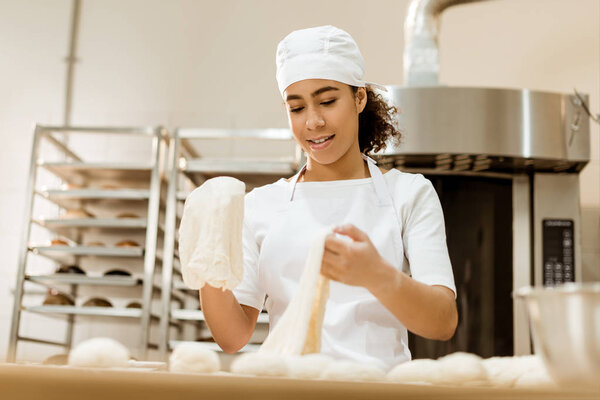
x=322 y=52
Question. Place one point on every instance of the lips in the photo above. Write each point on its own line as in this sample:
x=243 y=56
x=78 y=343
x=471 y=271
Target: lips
x=320 y=142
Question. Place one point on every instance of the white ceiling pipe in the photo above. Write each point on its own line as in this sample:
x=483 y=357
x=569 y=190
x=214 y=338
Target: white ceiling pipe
x=421 y=30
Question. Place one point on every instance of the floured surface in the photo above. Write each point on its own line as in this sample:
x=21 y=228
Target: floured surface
x=465 y=369
x=210 y=234
x=29 y=382
x=299 y=328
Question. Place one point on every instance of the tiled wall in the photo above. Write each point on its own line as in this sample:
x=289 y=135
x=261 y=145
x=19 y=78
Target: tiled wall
x=211 y=64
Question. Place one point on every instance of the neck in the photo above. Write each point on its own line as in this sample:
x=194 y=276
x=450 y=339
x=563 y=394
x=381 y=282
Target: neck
x=350 y=166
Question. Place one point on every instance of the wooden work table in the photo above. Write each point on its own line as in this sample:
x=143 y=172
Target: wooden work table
x=62 y=383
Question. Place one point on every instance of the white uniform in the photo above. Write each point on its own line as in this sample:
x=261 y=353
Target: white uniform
x=403 y=217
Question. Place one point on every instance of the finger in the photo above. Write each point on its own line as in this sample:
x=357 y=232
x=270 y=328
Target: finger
x=352 y=232
x=331 y=257
x=329 y=271
x=335 y=244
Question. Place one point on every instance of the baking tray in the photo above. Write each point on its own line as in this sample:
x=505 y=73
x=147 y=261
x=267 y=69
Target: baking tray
x=79 y=279
x=87 y=311
x=79 y=172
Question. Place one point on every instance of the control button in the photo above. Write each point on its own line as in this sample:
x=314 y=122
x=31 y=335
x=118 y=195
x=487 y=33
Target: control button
x=567 y=242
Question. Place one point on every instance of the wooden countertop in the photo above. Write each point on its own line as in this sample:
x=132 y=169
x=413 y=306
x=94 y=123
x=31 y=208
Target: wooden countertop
x=61 y=383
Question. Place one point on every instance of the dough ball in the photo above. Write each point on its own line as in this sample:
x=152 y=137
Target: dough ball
x=309 y=366
x=346 y=370
x=461 y=369
x=535 y=378
x=502 y=371
x=416 y=371
x=259 y=364
x=194 y=358
x=532 y=372
x=99 y=352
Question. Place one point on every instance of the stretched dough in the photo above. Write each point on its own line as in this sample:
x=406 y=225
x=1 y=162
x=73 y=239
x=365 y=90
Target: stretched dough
x=299 y=328
x=100 y=352
x=210 y=234
x=194 y=358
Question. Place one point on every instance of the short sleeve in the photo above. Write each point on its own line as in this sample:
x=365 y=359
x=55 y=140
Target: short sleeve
x=424 y=237
x=249 y=292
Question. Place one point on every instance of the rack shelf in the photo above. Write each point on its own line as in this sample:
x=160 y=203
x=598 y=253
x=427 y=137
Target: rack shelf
x=75 y=172
x=105 y=186
x=189 y=165
x=80 y=279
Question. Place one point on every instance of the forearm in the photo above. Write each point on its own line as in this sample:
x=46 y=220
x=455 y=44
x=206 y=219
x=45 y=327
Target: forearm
x=428 y=311
x=227 y=320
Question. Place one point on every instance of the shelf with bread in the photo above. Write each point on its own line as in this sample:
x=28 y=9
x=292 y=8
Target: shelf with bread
x=93 y=197
x=196 y=155
x=75 y=172
x=72 y=198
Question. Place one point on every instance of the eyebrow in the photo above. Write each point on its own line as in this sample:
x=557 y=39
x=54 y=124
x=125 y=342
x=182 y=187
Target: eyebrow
x=314 y=94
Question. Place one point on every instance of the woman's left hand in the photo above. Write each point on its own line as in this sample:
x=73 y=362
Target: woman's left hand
x=355 y=262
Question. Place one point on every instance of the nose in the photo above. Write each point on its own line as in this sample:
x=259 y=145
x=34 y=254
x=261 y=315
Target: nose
x=314 y=120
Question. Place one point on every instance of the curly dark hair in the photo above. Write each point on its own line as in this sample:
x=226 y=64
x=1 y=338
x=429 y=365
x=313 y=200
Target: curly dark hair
x=376 y=123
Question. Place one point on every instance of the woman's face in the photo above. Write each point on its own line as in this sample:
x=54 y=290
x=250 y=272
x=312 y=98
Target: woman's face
x=323 y=116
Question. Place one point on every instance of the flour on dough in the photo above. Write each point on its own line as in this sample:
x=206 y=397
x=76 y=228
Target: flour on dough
x=210 y=234
x=194 y=358
x=258 y=364
x=299 y=328
x=99 y=352
x=415 y=371
x=309 y=366
x=346 y=370
x=461 y=369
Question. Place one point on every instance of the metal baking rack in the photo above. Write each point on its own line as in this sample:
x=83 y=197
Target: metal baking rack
x=190 y=163
x=102 y=185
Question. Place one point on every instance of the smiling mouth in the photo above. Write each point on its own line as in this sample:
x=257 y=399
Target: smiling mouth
x=321 y=140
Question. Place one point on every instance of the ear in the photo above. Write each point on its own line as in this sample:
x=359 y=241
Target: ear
x=361 y=99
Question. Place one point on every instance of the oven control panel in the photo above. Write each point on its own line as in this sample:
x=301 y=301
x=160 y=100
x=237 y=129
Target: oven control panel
x=558 y=251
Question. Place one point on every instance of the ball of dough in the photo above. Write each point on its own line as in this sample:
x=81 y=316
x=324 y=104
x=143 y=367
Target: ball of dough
x=502 y=371
x=346 y=370
x=532 y=372
x=416 y=371
x=461 y=369
x=194 y=358
x=259 y=364
x=535 y=378
x=309 y=366
x=99 y=352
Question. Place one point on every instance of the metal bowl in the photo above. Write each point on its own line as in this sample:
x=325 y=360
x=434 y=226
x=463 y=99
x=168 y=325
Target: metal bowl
x=565 y=322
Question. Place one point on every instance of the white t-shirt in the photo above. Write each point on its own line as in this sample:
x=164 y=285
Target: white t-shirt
x=425 y=256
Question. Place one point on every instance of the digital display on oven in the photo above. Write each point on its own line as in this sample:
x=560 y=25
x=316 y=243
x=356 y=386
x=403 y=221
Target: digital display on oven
x=558 y=251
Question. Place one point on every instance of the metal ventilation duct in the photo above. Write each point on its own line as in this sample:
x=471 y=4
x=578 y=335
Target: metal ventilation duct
x=478 y=130
x=421 y=30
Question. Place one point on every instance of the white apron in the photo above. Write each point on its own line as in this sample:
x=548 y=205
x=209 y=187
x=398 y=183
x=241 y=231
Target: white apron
x=356 y=326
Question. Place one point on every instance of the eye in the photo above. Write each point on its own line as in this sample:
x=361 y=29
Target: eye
x=296 y=109
x=328 y=102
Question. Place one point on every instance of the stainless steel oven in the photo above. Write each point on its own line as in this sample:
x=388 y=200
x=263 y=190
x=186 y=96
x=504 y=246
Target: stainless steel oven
x=505 y=164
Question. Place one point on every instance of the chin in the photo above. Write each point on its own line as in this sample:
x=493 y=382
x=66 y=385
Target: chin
x=324 y=159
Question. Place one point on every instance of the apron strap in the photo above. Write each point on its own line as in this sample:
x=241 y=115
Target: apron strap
x=381 y=189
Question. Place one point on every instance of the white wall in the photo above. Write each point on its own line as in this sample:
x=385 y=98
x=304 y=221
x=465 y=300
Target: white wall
x=211 y=64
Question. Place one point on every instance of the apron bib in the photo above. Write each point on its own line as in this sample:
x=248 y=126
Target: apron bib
x=356 y=325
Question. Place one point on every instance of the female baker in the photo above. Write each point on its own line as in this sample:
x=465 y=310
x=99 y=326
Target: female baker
x=394 y=274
